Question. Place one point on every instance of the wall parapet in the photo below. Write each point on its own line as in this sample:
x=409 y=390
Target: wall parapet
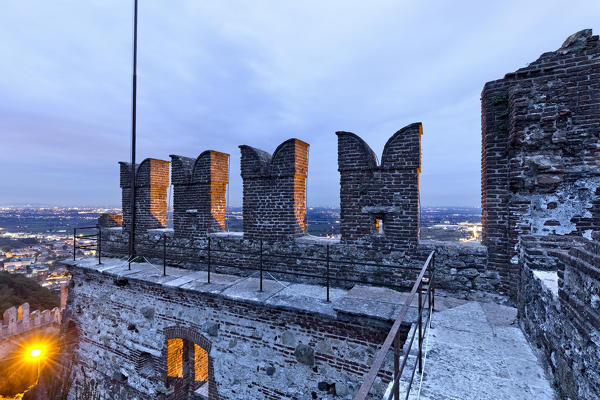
x=274 y=191
x=379 y=203
x=152 y=181
x=461 y=266
x=199 y=193
x=18 y=320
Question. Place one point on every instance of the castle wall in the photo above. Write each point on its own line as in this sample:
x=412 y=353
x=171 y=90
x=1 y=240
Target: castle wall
x=152 y=181
x=461 y=268
x=18 y=320
x=564 y=323
x=387 y=194
x=274 y=193
x=256 y=351
x=540 y=168
x=199 y=193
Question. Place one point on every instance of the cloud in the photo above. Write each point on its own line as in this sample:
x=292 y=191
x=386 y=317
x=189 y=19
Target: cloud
x=219 y=74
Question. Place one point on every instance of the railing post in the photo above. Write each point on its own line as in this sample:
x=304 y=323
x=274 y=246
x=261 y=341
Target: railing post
x=327 y=273
x=261 y=265
x=164 y=255
x=432 y=282
x=396 y=381
x=208 y=256
x=99 y=241
x=74 y=242
x=420 y=323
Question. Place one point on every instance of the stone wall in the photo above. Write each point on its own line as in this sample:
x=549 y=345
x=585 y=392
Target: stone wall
x=18 y=320
x=152 y=181
x=460 y=267
x=540 y=252
x=274 y=194
x=255 y=351
x=379 y=204
x=540 y=168
x=564 y=325
x=199 y=193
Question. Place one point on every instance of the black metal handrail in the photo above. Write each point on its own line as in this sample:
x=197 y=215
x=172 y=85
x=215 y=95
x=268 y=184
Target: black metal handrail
x=209 y=255
x=425 y=278
x=94 y=238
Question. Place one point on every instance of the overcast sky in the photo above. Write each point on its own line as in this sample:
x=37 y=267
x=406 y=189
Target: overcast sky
x=217 y=74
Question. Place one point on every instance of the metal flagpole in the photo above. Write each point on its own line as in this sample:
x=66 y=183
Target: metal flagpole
x=133 y=116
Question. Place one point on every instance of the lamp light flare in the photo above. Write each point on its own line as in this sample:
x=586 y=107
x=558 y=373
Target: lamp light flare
x=36 y=353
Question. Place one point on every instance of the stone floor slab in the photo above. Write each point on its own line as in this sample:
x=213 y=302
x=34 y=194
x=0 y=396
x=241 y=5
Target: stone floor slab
x=474 y=352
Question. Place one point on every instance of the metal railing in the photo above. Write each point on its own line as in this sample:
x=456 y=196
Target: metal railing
x=91 y=241
x=425 y=281
x=258 y=260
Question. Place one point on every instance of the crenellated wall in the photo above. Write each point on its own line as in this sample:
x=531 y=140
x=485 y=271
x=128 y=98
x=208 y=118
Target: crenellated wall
x=199 y=193
x=461 y=266
x=274 y=195
x=152 y=181
x=540 y=163
x=18 y=320
x=379 y=204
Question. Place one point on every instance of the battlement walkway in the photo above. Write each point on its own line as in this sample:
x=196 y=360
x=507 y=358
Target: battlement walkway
x=477 y=351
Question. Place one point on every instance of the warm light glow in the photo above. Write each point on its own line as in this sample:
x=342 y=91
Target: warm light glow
x=200 y=364
x=175 y=358
x=36 y=351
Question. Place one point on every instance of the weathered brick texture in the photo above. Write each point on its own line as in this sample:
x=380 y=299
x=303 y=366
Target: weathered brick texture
x=540 y=154
x=110 y=220
x=152 y=181
x=199 y=195
x=565 y=328
x=388 y=192
x=274 y=197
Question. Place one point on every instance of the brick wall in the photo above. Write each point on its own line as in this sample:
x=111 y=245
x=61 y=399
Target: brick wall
x=540 y=168
x=565 y=328
x=274 y=198
x=199 y=191
x=540 y=252
x=388 y=194
x=152 y=181
x=110 y=220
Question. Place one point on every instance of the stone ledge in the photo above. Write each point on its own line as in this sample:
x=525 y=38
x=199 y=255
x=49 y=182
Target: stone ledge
x=344 y=304
x=309 y=239
x=549 y=280
x=228 y=235
x=470 y=246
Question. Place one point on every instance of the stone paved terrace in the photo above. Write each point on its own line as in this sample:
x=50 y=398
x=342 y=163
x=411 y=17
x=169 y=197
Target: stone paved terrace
x=477 y=351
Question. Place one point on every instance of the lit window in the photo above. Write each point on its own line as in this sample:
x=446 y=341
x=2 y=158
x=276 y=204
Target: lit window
x=200 y=364
x=175 y=358
x=379 y=225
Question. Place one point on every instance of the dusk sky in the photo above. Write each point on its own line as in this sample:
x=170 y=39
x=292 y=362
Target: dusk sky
x=214 y=75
